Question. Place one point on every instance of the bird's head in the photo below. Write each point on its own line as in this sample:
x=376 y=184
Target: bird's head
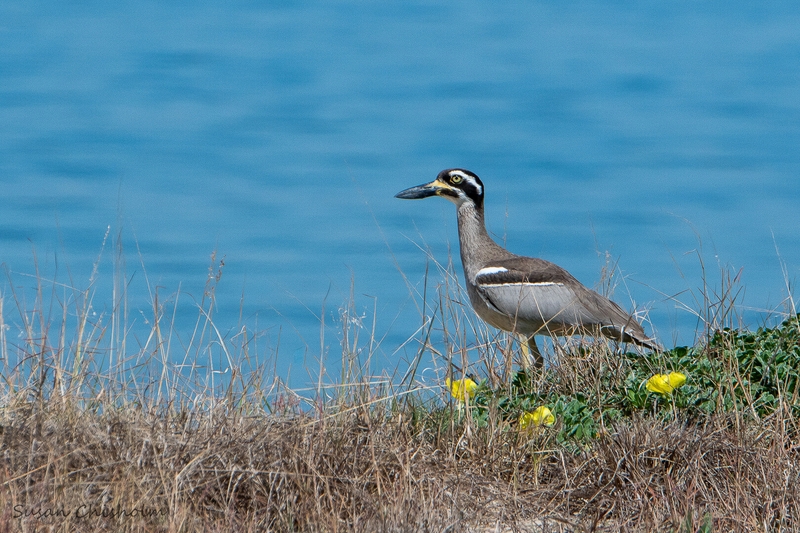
x=455 y=184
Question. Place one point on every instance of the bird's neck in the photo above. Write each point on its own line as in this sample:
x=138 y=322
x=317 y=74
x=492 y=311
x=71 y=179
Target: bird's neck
x=477 y=247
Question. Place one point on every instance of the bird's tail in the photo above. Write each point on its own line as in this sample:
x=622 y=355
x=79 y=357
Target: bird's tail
x=633 y=333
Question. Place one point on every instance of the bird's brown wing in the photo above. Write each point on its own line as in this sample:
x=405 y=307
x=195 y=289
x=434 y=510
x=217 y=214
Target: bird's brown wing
x=537 y=291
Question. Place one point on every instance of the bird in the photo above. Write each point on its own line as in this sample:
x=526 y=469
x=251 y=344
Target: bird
x=526 y=296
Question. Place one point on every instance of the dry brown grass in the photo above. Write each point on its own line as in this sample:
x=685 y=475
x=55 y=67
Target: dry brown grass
x=222 y=471
x=139 y=445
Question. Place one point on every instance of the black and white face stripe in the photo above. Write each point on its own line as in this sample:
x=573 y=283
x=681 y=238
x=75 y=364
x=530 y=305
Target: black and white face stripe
x=457 y=185
x=465 y=185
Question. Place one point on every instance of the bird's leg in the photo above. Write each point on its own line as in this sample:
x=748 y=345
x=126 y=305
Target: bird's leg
x=531 y=354
x=509 y=359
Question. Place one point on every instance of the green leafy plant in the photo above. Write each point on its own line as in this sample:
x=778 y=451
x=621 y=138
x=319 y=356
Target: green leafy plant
x=748 y=372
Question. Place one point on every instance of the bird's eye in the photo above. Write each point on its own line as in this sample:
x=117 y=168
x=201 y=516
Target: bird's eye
x=456 y=179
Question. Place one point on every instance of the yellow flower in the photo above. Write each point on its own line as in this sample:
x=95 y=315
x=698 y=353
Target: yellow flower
x=541 y=416
x=461 y=389
x=665 y=383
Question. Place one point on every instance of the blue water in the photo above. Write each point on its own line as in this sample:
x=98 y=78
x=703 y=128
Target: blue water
x=276 y=134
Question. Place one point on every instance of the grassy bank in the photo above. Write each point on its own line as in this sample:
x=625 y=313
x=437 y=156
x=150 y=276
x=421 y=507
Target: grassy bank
x=99 y=432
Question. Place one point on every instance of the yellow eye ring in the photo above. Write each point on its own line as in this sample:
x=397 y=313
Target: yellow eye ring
x=456 y=179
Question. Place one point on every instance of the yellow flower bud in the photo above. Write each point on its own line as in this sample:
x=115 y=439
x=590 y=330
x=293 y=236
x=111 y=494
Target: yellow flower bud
x=665 y=383
x=461 y=389
x=541 y=416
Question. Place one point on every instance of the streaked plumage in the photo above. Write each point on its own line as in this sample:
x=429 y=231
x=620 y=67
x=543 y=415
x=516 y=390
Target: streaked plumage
x=523 y=295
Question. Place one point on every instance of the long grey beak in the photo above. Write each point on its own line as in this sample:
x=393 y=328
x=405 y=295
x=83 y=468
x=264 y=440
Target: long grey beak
x=415 y=193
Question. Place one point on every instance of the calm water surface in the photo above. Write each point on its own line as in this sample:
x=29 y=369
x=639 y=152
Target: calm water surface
x=276 y=136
